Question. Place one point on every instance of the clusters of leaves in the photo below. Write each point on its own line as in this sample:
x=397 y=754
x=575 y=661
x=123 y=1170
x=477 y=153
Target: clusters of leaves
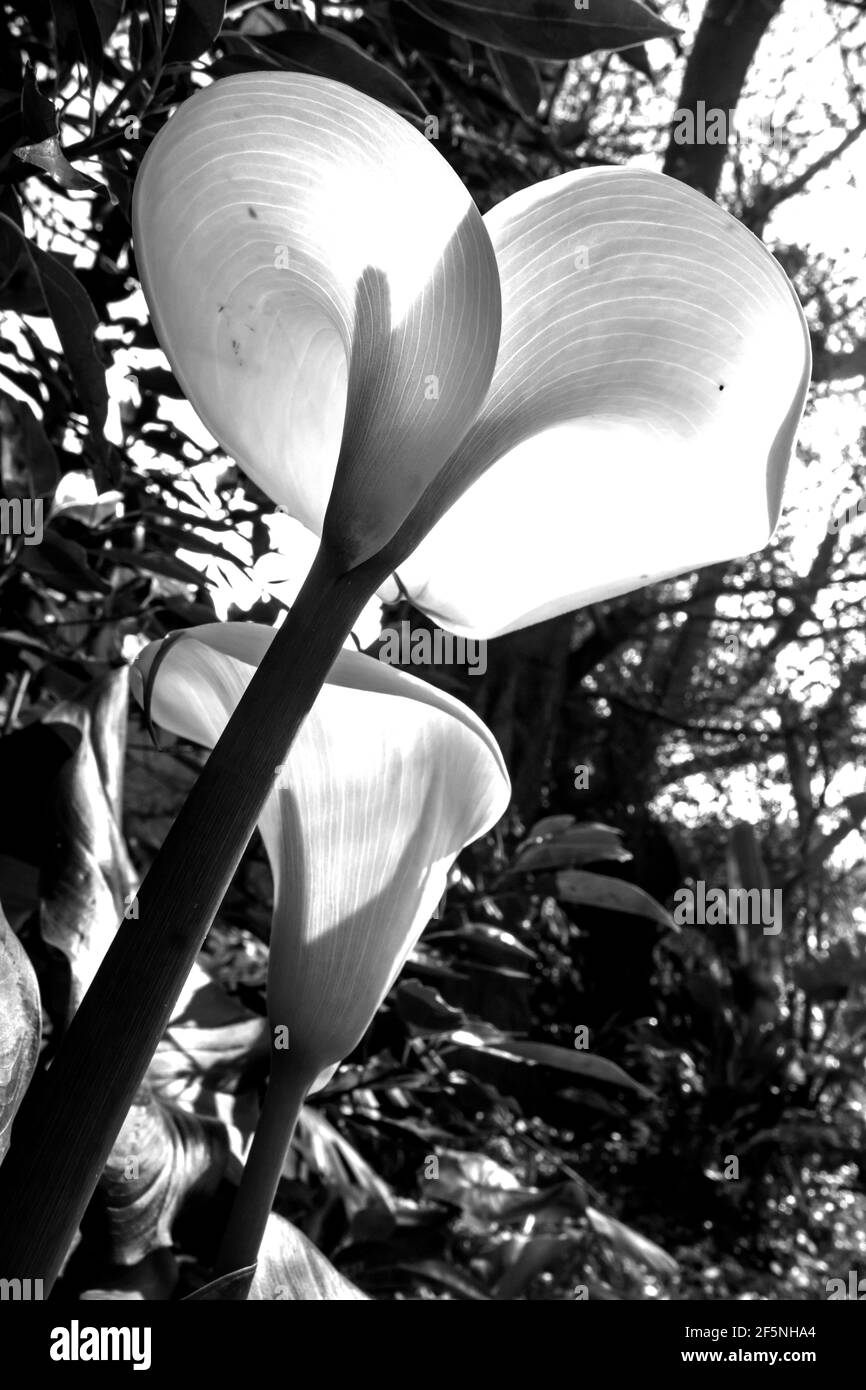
x=546 y=1107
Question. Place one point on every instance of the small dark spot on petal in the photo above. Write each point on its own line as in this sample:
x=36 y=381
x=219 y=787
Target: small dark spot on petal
x=721 y=388
x=252 y=212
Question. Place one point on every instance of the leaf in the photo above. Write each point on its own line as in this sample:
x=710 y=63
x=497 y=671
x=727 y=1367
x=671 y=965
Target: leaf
x=520 y=81
x=157 y=381
x=547 y=827
x=597 y=890
x=107 y=13
x=493 y=1060
x=549 y=29
x=49 y=156
x=87 y=875
x=629 y=1243
x=31 y=759
x=79 y=35
x=38 y=112
x=536 y=1256
x=290 y=1267
x=29 y=462
x=638 y=59
x=153 y=1279
x=424 y=1010
x=575 y=844
x=152 y=562
x=212 y=1042
x=20 y=1027
x=160 y=1155
x=196 y=24
x=232 y=1287
x=62 y=564
x=76 y=320
x=324 y=53
x=488 y=1193
x=487 y=943
x=329 y=1155
x=576 y=1062
x=446 y=1276
x=213 y=1058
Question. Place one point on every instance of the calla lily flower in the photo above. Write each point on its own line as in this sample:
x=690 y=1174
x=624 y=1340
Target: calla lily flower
x=386 y=782
x=652 y=372
x=650 y=375
x=324 y=288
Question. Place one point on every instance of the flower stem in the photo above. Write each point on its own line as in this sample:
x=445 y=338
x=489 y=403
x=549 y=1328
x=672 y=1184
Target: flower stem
x=252 y=1205
x=70 y=1117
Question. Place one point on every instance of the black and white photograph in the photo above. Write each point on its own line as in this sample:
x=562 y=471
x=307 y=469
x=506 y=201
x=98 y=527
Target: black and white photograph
x=432 y=671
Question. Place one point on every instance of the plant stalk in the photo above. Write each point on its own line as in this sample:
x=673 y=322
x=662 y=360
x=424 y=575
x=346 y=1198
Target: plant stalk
x=71 y=1116
x=245 y=1229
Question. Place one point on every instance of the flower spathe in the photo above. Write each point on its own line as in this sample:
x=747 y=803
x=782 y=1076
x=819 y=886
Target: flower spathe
x=632 y=420
x=652 y=371
x=386 y=782
x=325 y=291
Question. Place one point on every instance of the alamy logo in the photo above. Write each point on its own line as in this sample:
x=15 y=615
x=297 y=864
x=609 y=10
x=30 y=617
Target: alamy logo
x=738 y=906
x=21 y=1290
x=854 y=1289
x=77 y=1343
x=714 y=126
x=21 y=518
x=421 y=647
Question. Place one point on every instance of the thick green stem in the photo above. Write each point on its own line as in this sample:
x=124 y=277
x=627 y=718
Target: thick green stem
x=276 y=1125
x=69 y=1120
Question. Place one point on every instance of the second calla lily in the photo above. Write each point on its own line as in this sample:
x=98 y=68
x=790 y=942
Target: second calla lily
x=651 y=376
x=387 y=781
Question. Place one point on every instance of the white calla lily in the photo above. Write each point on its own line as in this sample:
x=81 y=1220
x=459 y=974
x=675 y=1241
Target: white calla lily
x=651 y=373
x=386 y=782
x=325 y=291
x=653 y=368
